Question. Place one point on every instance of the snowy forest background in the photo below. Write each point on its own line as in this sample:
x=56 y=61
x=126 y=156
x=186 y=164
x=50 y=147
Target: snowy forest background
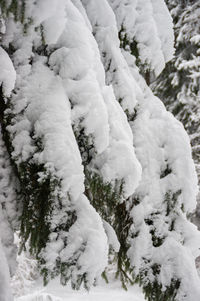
x=100 y=145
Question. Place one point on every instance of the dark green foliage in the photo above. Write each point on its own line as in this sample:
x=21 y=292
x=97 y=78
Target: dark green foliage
x=153 y=291
x=85 y=143
x=103 y=196
x=37 y=205
x=109 y=203
x=39 y=200
x=171 y=201
x=131 y=116
x=34 y=193
x=165 y=172
x=64 y=269
x=15 y=7
x=132 y=48
x=126 y=44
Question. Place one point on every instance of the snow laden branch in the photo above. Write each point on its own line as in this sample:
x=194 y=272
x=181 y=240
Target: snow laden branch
x=159 y=206
x=178 y=84
x=9 y=213
x=98 y=158
x=50 y=111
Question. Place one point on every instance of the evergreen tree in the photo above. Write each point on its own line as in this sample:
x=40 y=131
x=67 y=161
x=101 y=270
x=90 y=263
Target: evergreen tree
x=52 y=106
x=9 y=207
x=178 y=85
x=83 y=131
x=149 y=229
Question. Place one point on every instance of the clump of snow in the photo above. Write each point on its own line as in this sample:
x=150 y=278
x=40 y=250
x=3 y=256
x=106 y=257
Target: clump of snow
x=78 y=63
x=48 y=112
x=161 y=145
x=148 y=23
x=8 y=74
x=166 y=193
x=118 y=74
x=112 y=237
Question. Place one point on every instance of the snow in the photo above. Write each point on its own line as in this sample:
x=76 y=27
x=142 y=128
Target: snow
x=51 y=120
x=5 y=291
x=26 y=272
x=147 y=22
x=8 y=74
x=55 y=292
x=83 y=81
x=79 y=65
x=118 y=74
x=158 y=152
x=112 y=237
x=164 y=23
x=127 y=168
x=54 y=22
x=9 y=207
x=49 y=101
x=28 y=286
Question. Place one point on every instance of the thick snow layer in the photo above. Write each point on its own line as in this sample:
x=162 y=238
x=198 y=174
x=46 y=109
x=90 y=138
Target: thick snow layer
x=163 y=149
x=48 y=113
x=112 y=237
x=54 y=94
x=148 y=23
x=78 y=64
x=164 y=25
x=166 y=193
x=127 y=168
x=7 y=74
x=118 y=74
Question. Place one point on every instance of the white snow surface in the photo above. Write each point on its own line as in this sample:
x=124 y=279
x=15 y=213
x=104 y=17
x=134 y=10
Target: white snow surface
x=78 y=63
x=105 y=30
x=149 y=23
x=112 y=237
x=7 y=74
x=107 y=292
x=48 y=111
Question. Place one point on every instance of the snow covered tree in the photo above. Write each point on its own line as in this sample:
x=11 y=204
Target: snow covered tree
x=145 y=240
x=84 y=131
x=178 y=85
x=53 y=102
x=9 y=206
